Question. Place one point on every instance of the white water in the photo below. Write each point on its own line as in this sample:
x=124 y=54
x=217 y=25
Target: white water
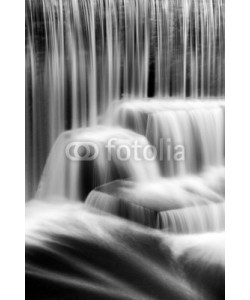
x=191 y=204
x=75 y=179
x=82 y=58
x=82 y=55
x=73 y=252
x=180 y=204
x=198 y=126
x=195 y=219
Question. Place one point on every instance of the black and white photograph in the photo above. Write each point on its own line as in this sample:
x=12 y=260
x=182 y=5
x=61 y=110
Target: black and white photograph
x=125 y=149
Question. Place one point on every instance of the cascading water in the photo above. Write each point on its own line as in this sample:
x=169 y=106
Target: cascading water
x=189 y=204
x=73 y=252
x=82 y=55
x=125 y=125
x=71 y=176
x=152 y=201
x=197 y=126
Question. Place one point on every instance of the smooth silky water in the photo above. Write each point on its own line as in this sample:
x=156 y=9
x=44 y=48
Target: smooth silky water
x=138 y=76
x=82 y=55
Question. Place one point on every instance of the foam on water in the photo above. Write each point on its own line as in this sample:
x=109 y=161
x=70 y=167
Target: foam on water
x=72 y=251
x=185 y=205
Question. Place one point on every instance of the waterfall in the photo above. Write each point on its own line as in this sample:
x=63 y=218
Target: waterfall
x=75 y=253
x=183 y=205
x=94 y=157
x=199 y=131
x=198 y=126
x=125 y=149
x=83 y=159
x=195 y=219
x=81 y=55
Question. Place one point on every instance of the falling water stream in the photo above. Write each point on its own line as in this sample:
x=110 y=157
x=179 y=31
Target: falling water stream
x=125 y=122
x=81 y=55
x=132 y=72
